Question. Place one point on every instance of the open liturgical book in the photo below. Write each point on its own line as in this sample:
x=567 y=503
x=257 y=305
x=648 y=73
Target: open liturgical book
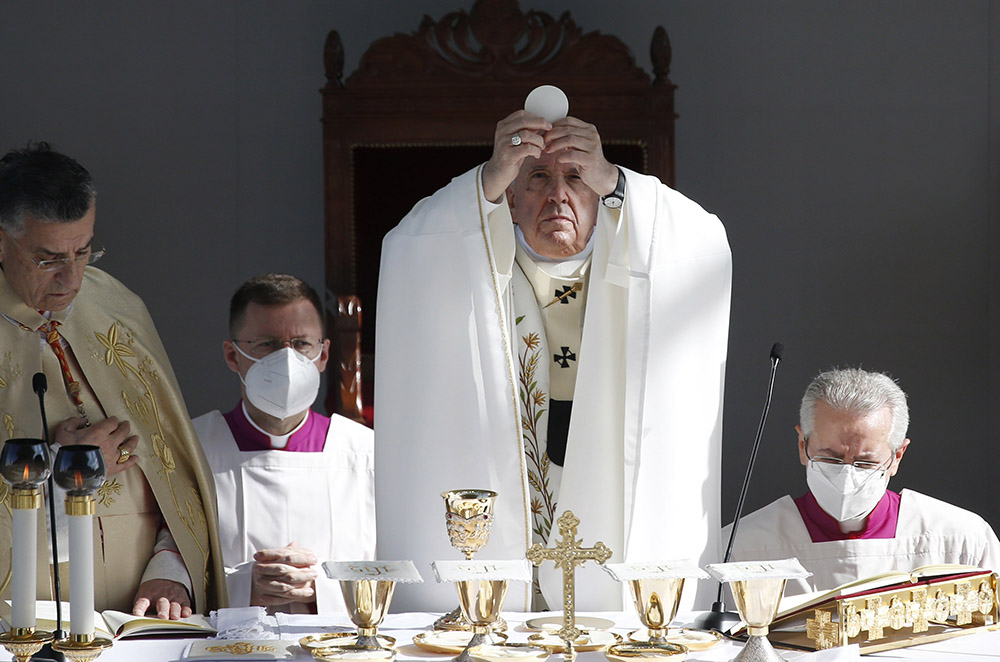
x=889 y=610
x=119 y=625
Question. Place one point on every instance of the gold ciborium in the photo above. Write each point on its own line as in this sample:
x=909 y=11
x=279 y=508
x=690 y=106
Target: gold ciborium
x=481 y=602
x=757 y=601
x=367 y=603
x=656 y=602
x=469 y=517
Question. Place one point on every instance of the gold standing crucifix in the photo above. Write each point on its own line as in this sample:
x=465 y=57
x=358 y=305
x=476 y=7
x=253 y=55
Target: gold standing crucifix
x=567 y=554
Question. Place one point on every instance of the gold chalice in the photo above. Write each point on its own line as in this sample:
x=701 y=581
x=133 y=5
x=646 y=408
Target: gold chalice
x=656 y=601
x=481 y=602
x=469 y=518
x=757 y=601
x=367 y=603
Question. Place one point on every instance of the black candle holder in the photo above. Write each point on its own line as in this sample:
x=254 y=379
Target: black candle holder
x=25 y=463
x=79 y=469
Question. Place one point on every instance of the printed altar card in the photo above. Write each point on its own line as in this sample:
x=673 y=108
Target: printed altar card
x=745 y=570
x=455 y=571
x=682 y=568
x=399 y=571
x=247 y=649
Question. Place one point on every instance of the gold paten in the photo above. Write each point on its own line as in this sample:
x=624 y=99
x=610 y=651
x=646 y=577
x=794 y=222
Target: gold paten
x=77 y=505
x=22 y=498
x=631 y=652
x=567 y=555
x=22 y=643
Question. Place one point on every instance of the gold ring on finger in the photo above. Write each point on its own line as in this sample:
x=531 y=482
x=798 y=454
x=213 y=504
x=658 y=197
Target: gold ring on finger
x=123 y=455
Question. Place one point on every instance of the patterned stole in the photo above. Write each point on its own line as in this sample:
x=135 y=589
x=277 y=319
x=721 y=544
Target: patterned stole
x=55 y=341
x=548 y=316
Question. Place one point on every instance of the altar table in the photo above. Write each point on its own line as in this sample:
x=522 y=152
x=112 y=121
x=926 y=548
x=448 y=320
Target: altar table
x=980 y=647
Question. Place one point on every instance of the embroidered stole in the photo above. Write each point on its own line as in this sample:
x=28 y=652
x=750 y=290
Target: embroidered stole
x=548 y=316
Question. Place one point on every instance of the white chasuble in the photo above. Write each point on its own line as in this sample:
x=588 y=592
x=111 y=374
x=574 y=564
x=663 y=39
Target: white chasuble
x=117 y=354
x=642 y=465
x=928 y=531
x=324 y=501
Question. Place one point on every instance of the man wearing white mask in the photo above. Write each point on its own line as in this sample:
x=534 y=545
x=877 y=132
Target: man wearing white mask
x=284 y=474
x=848 y=526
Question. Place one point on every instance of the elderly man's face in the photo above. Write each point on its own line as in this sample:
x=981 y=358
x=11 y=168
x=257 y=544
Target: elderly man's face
x=47 y=290
x=850 y=437
x=555 y=210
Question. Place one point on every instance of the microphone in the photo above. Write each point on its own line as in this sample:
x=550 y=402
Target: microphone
x=718 y=618
x=40 y=385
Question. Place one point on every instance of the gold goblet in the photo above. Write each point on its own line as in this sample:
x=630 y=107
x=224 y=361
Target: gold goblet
x=469 y=518
x=367 y=603
x=481 y=602
x=757 y=601
x=656 y=601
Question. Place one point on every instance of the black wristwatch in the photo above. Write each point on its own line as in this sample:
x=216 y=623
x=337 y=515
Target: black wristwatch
x=615 y=199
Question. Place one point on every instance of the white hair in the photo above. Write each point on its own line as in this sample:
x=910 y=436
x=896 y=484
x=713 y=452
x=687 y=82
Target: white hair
x=859 y=392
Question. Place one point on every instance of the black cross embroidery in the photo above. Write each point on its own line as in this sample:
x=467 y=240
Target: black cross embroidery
x=566 y=357
x=566 y=293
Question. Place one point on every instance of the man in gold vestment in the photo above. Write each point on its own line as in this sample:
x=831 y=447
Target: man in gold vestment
x=111 y=385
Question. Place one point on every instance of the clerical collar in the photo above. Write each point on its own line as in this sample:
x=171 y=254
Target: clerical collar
x=567 y=264
x=881 y=522
x=277 y=442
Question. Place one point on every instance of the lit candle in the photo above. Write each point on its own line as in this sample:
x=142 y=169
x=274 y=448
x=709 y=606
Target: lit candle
x=23 y=566
x=24 y=464
x=81 y=565
x=80 y=471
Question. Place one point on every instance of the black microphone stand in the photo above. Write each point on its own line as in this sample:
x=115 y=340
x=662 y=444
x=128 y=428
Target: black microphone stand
x=718 y=619
x=47 y=654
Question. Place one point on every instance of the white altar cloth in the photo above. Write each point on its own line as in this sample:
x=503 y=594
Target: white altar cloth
x=981 y=647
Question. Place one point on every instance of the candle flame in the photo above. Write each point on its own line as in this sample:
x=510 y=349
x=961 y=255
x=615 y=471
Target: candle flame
x=77 y=478
x=26 y=473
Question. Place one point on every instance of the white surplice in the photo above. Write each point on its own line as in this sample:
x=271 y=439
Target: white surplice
x=928 y=531
x=324 y=501
x=642 y=468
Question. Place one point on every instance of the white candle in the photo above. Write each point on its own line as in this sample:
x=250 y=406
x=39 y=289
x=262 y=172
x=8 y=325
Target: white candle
x=81 y=574
x=23 y=567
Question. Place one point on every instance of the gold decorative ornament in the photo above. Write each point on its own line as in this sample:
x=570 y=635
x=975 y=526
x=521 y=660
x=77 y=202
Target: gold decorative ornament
x=241 y=648
x=469 y=518
x=567 y=555
x=896 y=616
x=22 y=643
x=82 y=647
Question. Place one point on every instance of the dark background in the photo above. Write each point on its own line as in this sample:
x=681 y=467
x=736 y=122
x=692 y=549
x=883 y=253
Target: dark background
x=849 y=146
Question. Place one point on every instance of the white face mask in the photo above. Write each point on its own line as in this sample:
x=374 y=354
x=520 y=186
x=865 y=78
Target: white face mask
x=844 y=491
x=282 y=383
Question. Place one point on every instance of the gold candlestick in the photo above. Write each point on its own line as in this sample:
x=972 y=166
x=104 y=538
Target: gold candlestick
x=22 y=643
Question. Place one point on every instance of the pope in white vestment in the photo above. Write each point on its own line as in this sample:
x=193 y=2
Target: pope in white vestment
x=849 y=526
x=284 y=473
x=576 y=363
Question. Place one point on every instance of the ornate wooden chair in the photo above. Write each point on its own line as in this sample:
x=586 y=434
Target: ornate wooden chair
x=422 y=108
